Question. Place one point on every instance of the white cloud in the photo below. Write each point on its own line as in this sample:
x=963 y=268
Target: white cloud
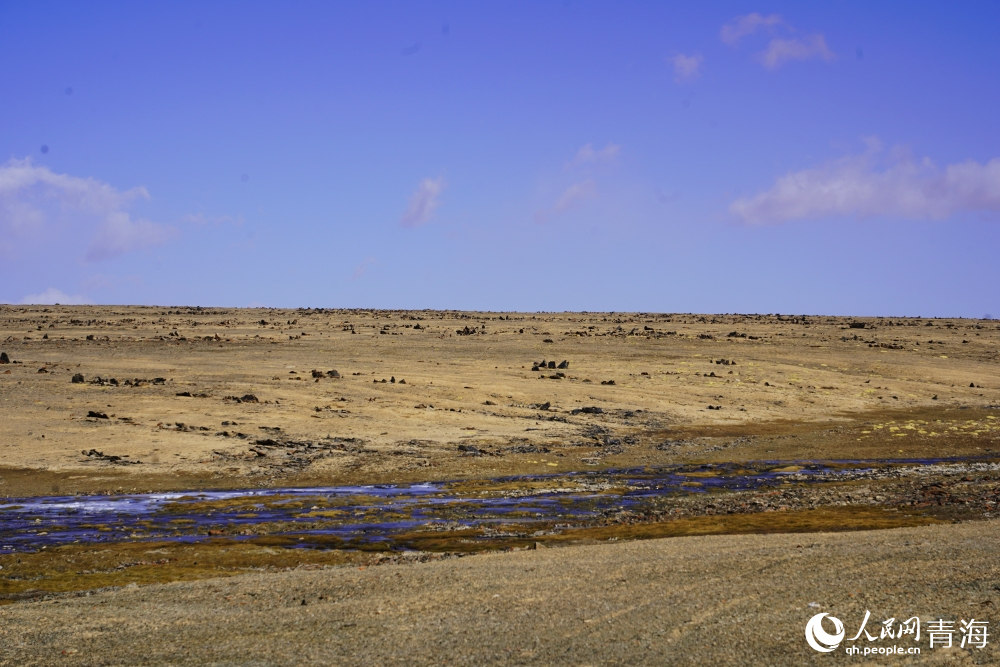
x=587 y=154
x=686 y=68
x=120 y=234
x=423 y=202
x=854 y=187
x=33 y=198
x=575 y=194
x=779 y=50
x=587 y=167
x=741 y=26
x=52 y=296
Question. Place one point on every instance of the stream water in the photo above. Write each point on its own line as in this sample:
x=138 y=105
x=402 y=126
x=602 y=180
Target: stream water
x=348 y=516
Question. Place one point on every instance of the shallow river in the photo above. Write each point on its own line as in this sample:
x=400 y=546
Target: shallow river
x=347 y=516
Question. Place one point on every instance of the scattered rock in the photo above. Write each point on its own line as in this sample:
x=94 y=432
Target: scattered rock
x=117 y=460
x=246 y=398
x=588 y=411
x=4 y=359
x=667 y=445
x=78 y=378
x=96 y=415
x=608 y=382
x=564 y=365
x=181 y=426
x=103 y=382
x=526 y=449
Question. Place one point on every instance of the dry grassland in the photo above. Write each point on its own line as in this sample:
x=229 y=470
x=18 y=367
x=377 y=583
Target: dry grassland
x=466 y=401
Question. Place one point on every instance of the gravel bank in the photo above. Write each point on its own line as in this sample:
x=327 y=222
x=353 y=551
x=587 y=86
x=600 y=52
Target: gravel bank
x=704 y=600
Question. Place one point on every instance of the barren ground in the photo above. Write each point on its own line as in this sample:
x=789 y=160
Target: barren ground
x=189 y=398
x=793 y=388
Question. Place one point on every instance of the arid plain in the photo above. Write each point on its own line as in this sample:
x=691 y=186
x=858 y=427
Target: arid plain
x=106 y=400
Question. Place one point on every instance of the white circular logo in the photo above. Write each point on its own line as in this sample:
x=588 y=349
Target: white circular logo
x=819 y=638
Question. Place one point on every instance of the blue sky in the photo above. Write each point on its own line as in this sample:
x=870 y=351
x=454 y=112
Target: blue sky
x=838 y=158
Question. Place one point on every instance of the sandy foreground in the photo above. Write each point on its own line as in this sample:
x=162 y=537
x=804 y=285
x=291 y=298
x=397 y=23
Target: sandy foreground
x=704 y=600
x=102 y=400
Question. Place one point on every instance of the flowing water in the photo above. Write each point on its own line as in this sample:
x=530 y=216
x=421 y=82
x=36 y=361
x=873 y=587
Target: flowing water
x=351 y=516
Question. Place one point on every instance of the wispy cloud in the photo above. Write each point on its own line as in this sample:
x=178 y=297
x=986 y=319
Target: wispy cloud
x=587 y=154
x=202 y=220
x=362 y=268
x=575 y=194
x=741 y=26
x=423 y=202
x=853 y=186
x=686 y=68
x=53 y=296
x=586 y=168
x=572 y=197
x=31 y=196
x=119 y=234
x=779 y=50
